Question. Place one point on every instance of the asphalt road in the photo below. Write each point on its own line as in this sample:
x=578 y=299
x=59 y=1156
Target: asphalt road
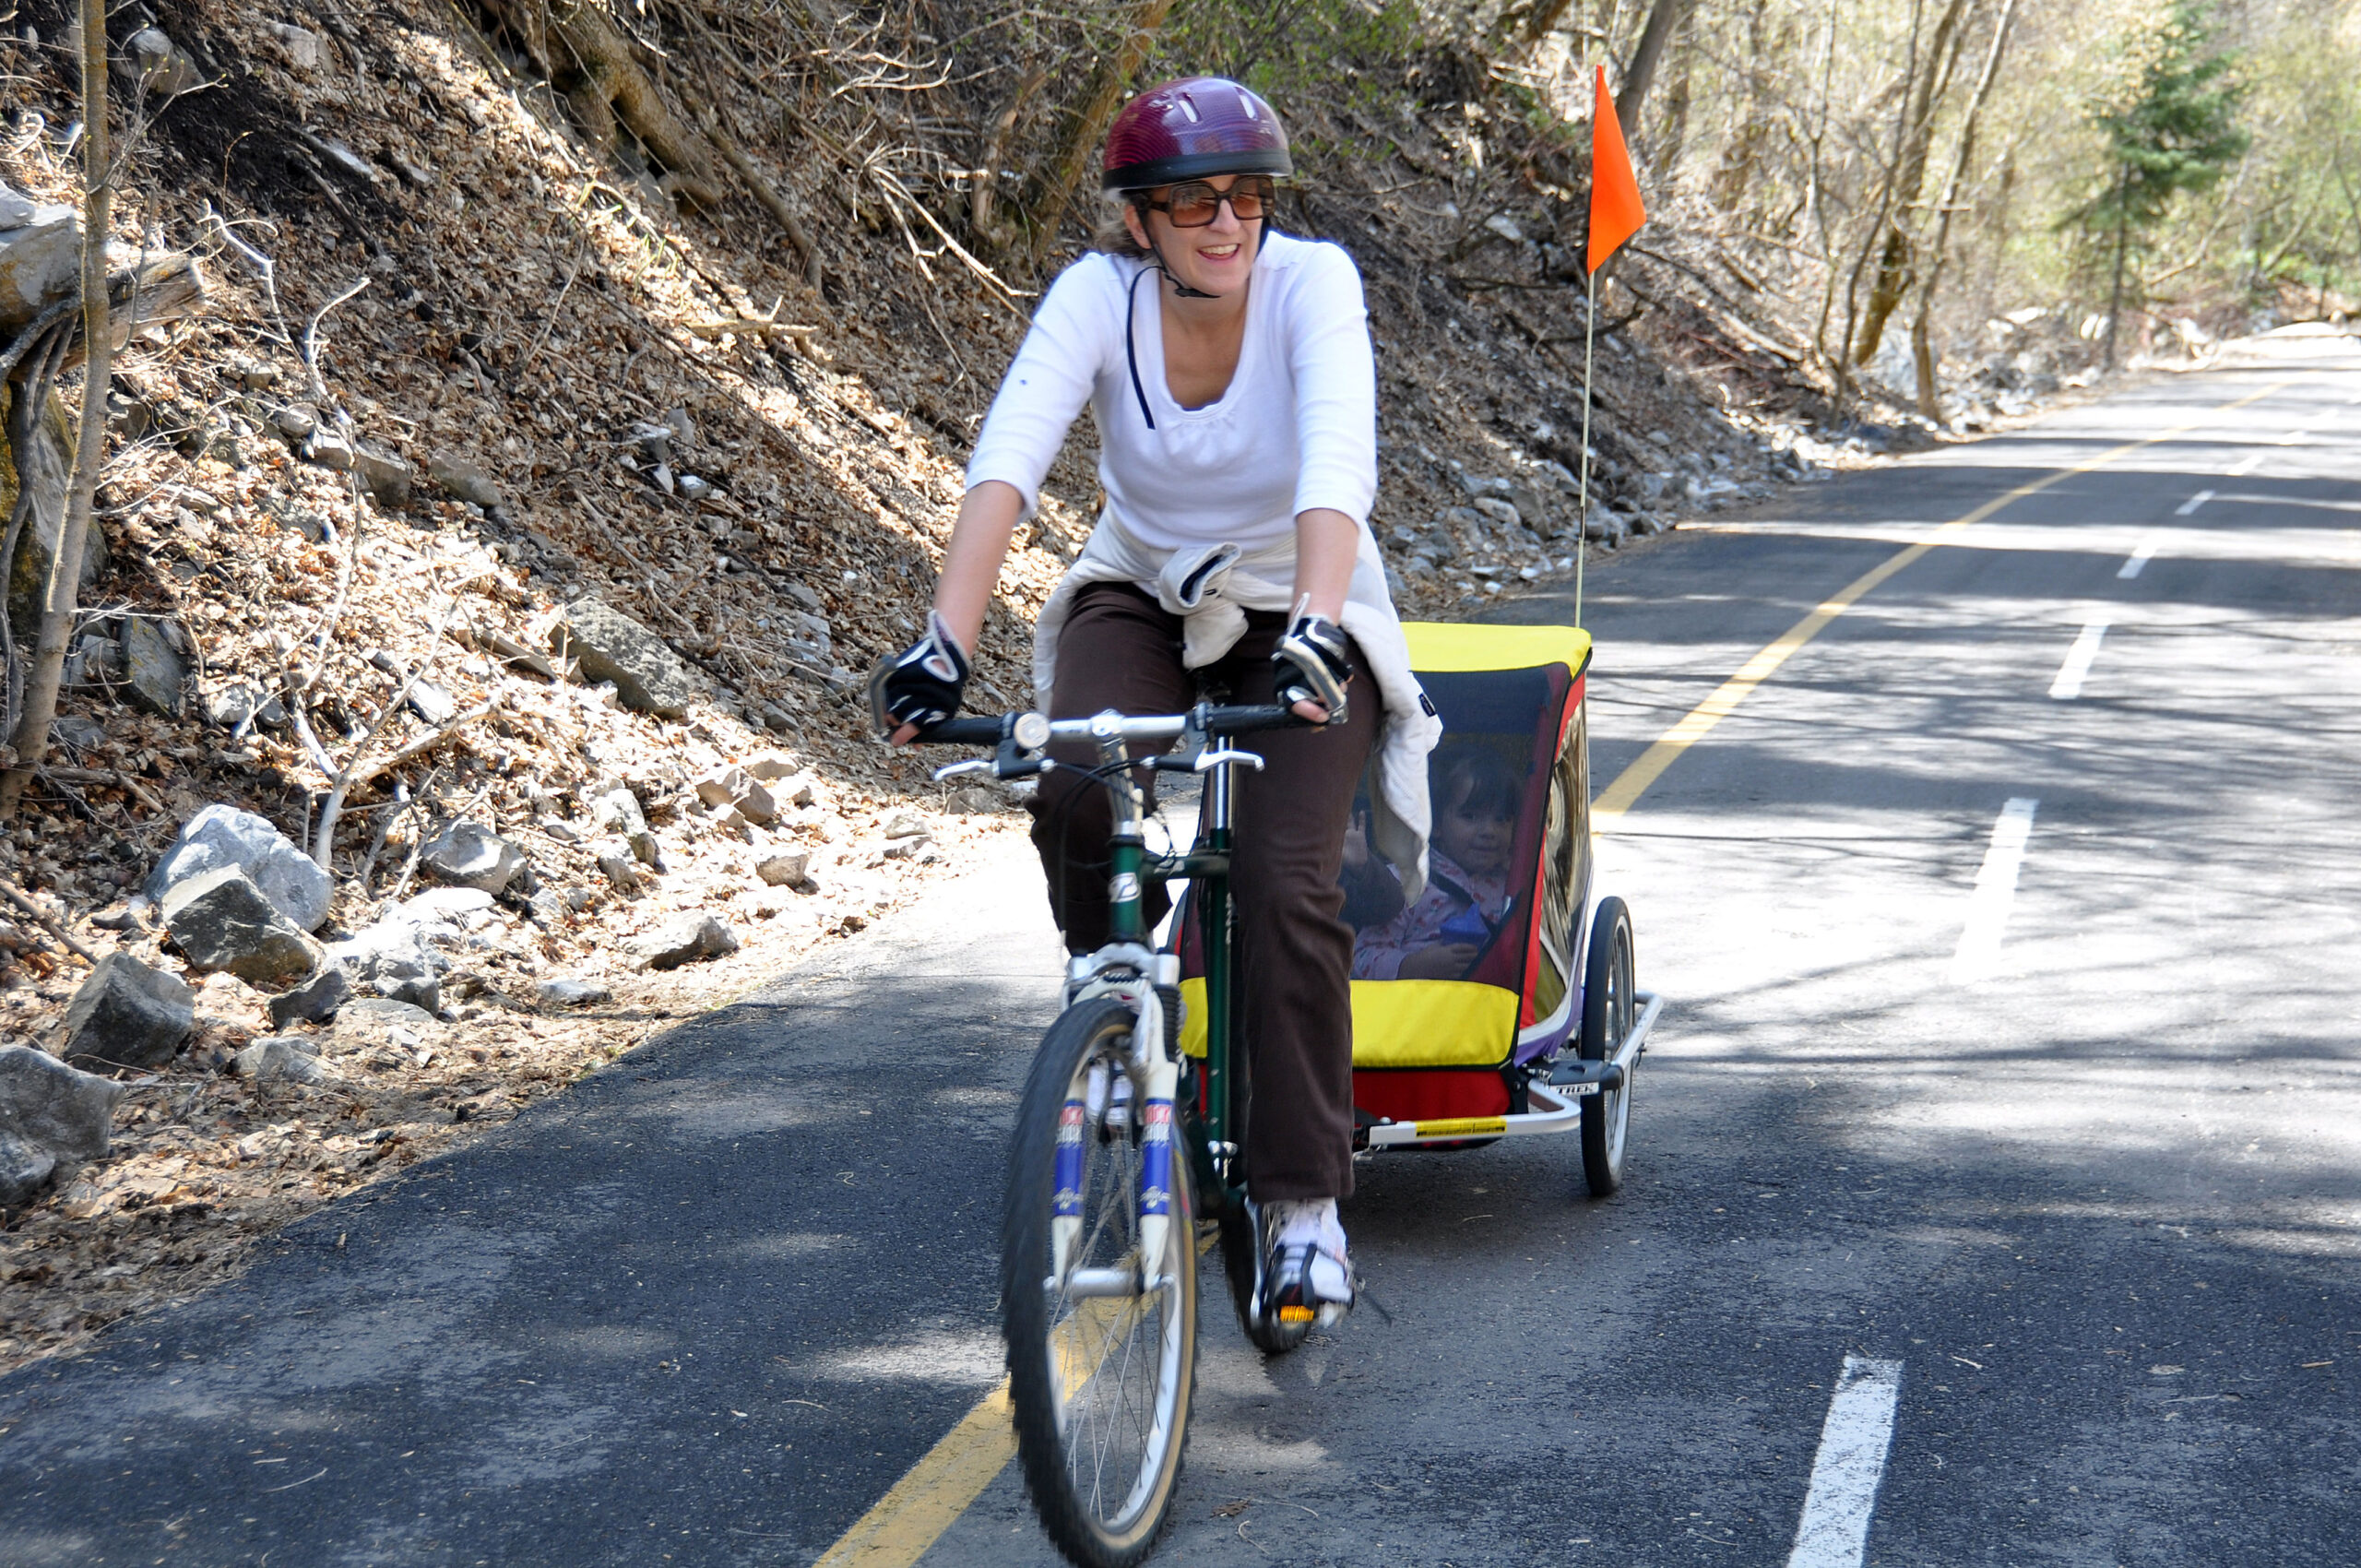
x=2075 y=1162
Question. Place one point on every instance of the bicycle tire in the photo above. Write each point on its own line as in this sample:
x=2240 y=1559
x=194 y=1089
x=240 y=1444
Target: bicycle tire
x=1609 y=1006
x=1067 y=1426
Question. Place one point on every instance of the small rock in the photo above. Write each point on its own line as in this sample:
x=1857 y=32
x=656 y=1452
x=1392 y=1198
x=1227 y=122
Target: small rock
x=683 y=941
x=25 y=1170
x=53 y=1109
x=387 y=477
x=770 y=768
x=573 y=993
x=153 y=65
x=301 y=46
x=464 y=480
x=230 y=706
x=646 y=849
x=617 y=812
x=82 y=734
x=127 y=1015
x=456 y=904
x=16 y=210
x=1499 y=511
x=722 y=785
x=279 y=1058
x=692 y=488
x=621 y=868
x=224 y=836
x=806 y=597
x=222 y=921
x=315 y=1001
x=784 y=870
x=648 y=676
x=906 y=824
x=547 y=908
x=467 y=854
x=391 y=959
x=381 y=1020
x=152 y=668
x=1501 y=223
x=297 y=421
x=732 y=787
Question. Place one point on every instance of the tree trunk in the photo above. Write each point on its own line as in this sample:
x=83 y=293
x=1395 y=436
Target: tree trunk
x=31 y=739
x=2122 y=246
x=1894 y=274
x=1663 y=17
x=596 y=67
x=1098 y=106
x=1922 y=327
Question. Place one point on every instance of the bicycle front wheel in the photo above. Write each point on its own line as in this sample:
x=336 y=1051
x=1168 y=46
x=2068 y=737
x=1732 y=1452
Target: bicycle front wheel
x=1098 y=1292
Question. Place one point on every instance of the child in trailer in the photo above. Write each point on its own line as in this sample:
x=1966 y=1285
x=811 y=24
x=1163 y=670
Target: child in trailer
x=1476 y=800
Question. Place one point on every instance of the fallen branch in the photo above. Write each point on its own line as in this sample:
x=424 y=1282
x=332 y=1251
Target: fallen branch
x=23 y=901
x=363 y=770
x=115 y=777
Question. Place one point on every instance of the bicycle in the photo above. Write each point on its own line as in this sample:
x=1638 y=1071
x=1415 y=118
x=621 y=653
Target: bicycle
x=1118 y=1134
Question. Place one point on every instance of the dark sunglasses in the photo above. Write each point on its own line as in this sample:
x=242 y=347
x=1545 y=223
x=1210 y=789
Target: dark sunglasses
x=1196 y=204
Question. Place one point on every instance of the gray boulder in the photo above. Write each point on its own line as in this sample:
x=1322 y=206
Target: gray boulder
x=50 y=1112
x=224 y=836
x=127 y=1015
x=683 y=941
x=153 y=668
x=313 y=1002
x=221 y=921
x=467 y=854
x=610 y=645
x=392 y=960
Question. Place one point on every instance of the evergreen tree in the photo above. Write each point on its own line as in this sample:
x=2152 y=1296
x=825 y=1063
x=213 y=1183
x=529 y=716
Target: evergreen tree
x=2171 y=126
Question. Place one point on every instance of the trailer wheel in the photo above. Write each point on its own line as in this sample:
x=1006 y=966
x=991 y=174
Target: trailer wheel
x=1609 y=1007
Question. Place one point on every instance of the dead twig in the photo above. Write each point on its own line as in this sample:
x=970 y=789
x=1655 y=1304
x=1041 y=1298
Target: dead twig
x=23 y=901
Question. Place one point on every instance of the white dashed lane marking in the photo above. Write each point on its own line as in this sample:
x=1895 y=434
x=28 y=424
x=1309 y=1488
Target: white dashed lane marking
x=2190 y=507
x=2069 y=684
x=1835 y=1530
x=1996 y=889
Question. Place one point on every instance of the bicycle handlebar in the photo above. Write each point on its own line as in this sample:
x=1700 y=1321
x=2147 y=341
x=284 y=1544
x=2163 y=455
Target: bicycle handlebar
x=1227 y=719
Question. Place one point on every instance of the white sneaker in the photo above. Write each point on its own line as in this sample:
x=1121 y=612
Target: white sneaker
x=1309 y=1274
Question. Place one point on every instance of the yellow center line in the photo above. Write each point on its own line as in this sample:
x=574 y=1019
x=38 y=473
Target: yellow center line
x=937 y=1489
x=1697 y=722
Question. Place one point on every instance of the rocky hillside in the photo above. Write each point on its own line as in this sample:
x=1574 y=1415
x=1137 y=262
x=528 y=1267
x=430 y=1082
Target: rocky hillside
x=466 y=688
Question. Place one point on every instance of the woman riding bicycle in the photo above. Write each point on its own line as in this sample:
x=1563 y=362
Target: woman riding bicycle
x=1237 y=411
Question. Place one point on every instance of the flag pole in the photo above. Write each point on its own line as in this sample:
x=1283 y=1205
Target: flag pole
x=1581 y=528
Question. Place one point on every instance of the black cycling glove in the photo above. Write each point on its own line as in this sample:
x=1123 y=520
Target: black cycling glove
x=921 y=684
x=1315 y=665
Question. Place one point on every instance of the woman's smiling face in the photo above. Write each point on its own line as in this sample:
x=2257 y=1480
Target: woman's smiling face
x=1214 y=259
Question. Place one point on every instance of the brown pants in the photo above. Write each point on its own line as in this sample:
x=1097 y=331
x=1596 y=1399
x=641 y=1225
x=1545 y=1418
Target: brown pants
x=1121 y=650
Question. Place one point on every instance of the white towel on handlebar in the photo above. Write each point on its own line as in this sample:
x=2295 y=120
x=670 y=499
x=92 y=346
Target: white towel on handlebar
x=1211 y=588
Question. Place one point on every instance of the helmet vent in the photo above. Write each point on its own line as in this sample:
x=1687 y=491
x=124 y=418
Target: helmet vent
x=1246 y=101
x=1189 y=107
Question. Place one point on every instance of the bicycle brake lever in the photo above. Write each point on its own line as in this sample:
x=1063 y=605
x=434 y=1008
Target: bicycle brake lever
x=1207 y=760
x=953 y=769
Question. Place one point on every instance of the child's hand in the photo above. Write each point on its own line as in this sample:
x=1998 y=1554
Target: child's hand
x=1445 y=961
x=1356 y=847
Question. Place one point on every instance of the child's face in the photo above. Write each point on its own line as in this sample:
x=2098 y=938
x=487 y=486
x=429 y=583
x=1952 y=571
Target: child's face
x=1477 y=837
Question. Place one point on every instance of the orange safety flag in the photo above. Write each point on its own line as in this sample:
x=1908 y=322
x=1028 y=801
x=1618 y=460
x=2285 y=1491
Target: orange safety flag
x=1615 y=210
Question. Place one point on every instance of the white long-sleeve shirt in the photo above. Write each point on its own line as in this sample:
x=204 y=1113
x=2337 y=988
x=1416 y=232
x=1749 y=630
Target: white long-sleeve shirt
x=1296 y=429
x=1201 y=503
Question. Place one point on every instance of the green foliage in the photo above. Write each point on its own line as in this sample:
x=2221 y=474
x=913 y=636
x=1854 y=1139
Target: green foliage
x=2170 y=119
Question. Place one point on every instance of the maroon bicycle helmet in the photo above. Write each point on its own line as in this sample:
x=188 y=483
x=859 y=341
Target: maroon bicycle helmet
x=1190 y=128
